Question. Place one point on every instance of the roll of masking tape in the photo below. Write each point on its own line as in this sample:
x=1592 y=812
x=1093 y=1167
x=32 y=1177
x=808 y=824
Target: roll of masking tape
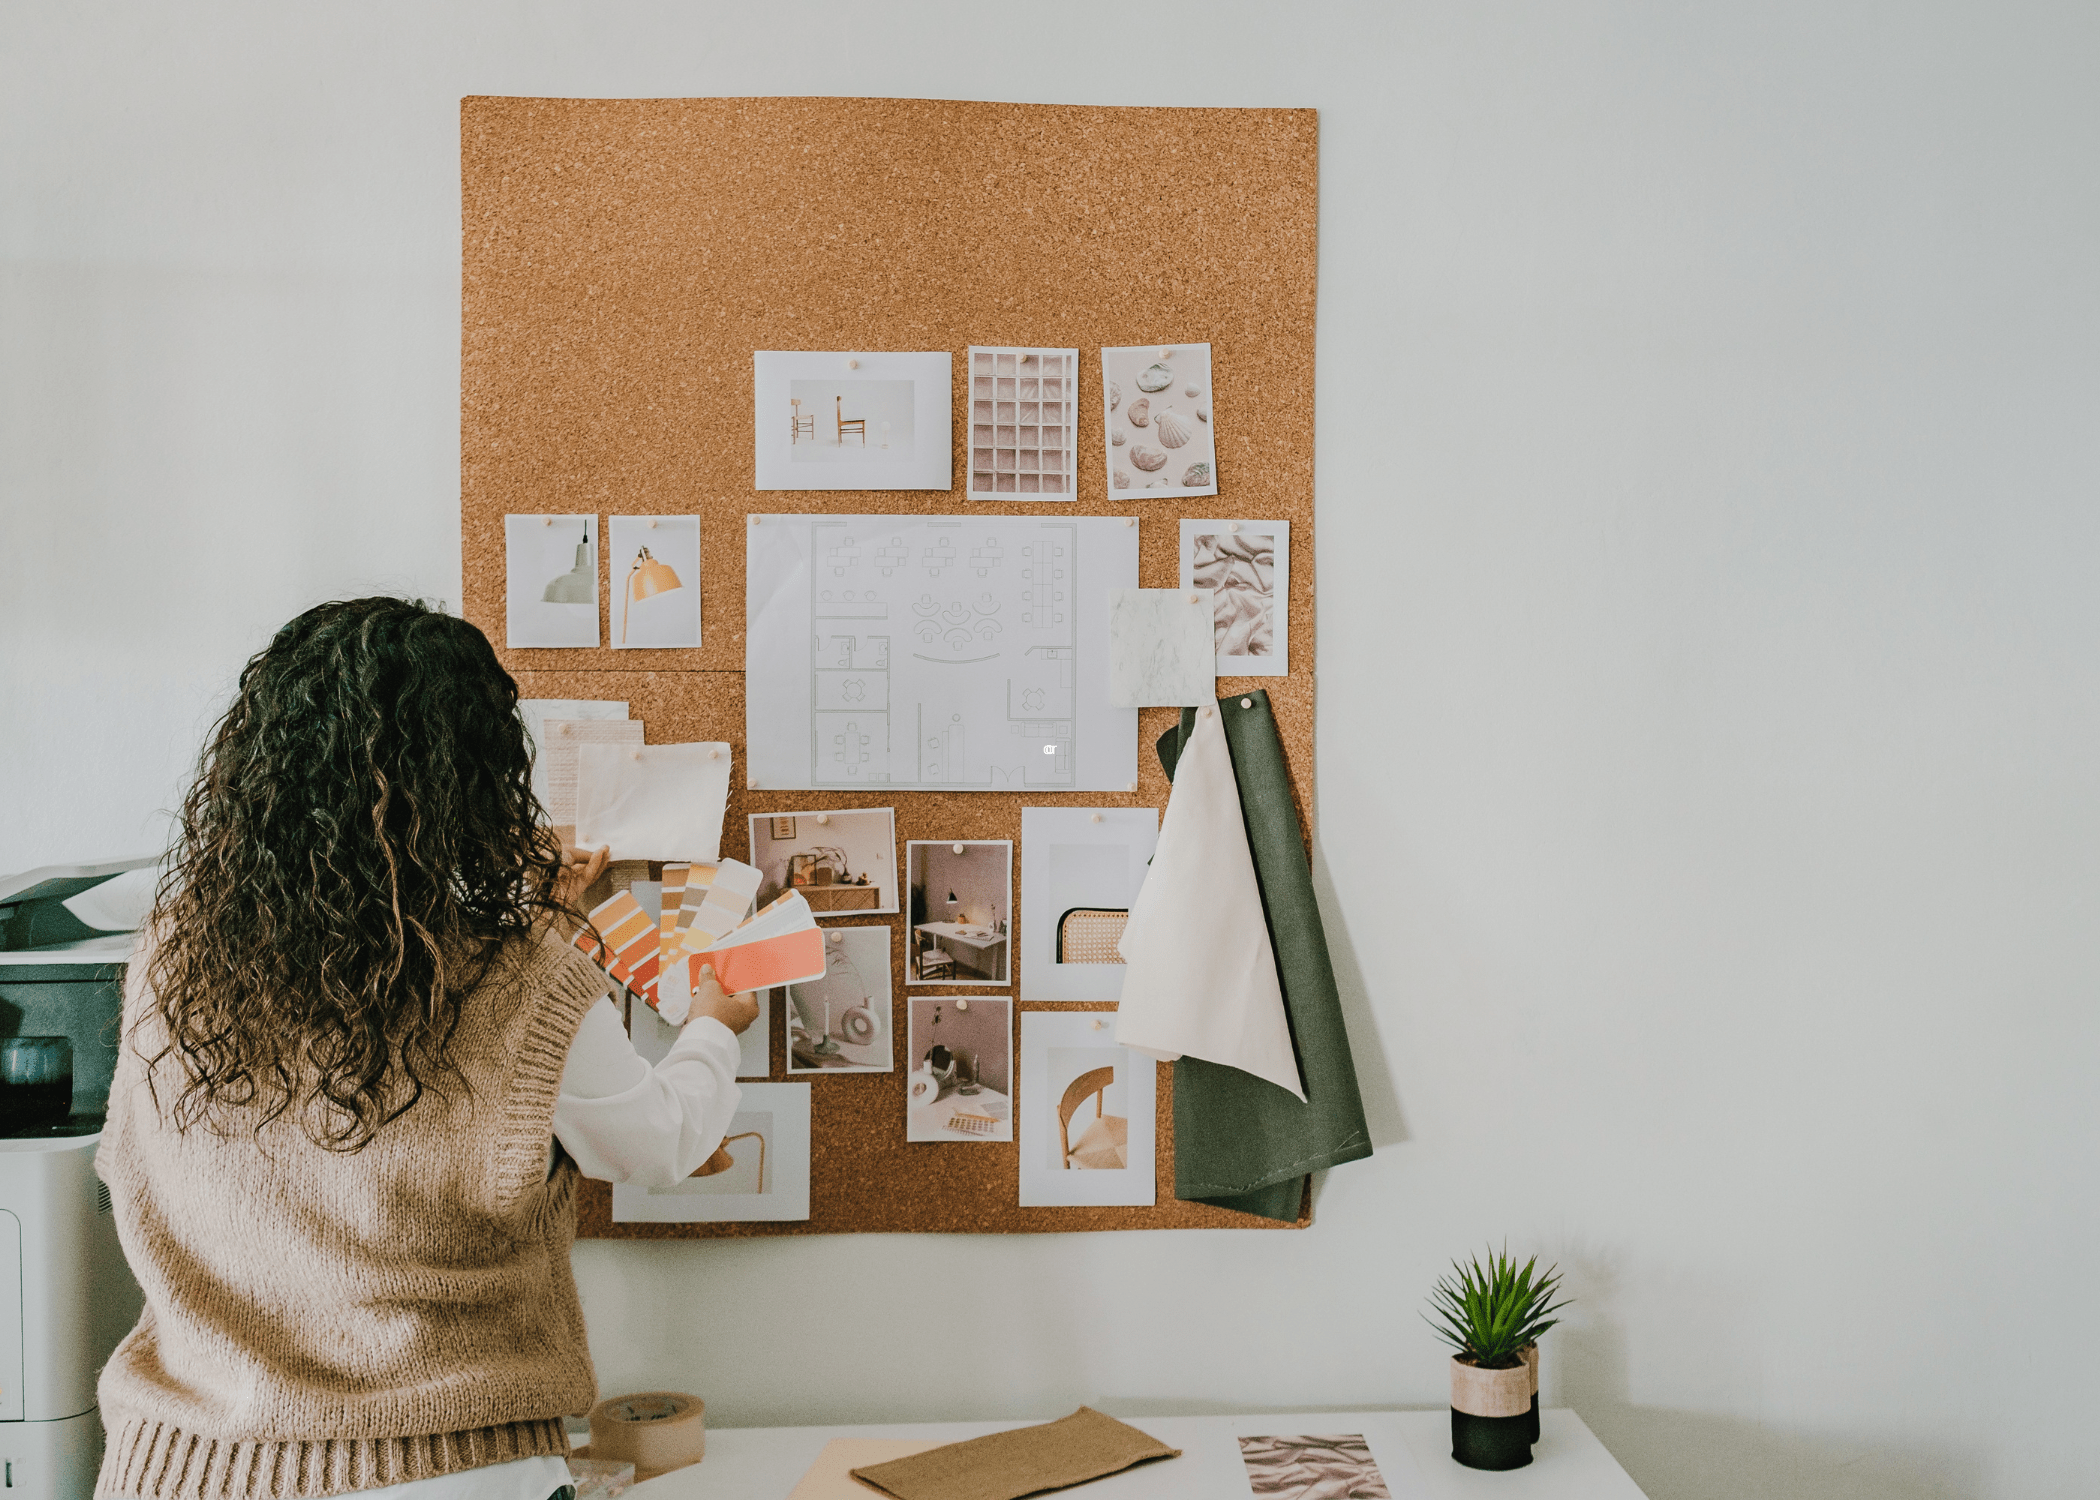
x=656 y=1431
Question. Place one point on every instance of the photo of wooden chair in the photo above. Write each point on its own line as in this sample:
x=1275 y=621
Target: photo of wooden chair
x=934 y=961
x=850 y=424
x=1088 y=935
x=801 y=424
x=1105 y=1145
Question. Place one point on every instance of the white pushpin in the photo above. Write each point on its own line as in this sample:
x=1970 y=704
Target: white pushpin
x=714 y=755
x=1232 y=526
x=1130 y=520
x=853 y=364
x=1246 y=703
x=823 y=818
x=962 y=1005
x=838 y=937
x=1166 y=354
x=958 y=848
x=546 y=520
x=1133 y=786
x=1099 y=1024
x=1194 y=598
x=756 y=519
x=652 y=523
x=1096 y=818
x=1206 y=710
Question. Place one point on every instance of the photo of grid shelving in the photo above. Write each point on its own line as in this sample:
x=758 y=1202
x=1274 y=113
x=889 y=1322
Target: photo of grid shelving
x=1024 y=424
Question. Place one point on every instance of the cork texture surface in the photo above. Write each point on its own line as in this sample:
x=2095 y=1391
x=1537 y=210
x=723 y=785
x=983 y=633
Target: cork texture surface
x=622 y=259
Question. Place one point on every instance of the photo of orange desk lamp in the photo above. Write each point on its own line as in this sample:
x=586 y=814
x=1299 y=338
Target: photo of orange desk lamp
x=646 y=579
x=722 y=1161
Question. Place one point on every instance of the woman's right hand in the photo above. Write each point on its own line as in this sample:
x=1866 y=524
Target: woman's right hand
x=737 y=1012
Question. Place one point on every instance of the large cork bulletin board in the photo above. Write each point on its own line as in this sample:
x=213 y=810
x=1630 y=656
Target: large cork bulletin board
x=622 y=261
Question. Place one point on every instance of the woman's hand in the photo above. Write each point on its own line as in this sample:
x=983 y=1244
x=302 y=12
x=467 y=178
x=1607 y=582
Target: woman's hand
x=737 y=1012
x=578 y=873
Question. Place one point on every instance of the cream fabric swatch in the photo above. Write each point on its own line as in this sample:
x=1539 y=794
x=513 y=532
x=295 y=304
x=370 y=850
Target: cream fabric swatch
x=564 y=738
x=652 y=801
x=1201 y=976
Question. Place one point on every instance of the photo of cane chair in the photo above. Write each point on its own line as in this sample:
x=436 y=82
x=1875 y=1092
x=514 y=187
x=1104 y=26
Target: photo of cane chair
x=1088 y=935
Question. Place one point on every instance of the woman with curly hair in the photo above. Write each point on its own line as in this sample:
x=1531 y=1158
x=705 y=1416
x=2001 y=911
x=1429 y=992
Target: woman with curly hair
x=363 y=1070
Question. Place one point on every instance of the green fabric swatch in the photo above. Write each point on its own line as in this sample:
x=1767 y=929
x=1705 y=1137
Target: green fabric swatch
x=1239 y=1141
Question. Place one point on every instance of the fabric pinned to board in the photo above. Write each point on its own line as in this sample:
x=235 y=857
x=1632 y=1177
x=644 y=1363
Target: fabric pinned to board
x=1238 y=1142
x=1026 y=1461
x=1200 y=976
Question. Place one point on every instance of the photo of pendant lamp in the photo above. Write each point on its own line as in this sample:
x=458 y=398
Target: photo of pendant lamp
x=722 y=1161
x=646 y=579
x=580 y=584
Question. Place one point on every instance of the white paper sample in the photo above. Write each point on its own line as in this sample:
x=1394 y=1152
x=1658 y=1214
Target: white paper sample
x=1159 y=648
x=1201 y=977
x=958 y=653
x=654 y=569
x=536 y=712
x=565 y=741
x=1081 y=869
x=661 y=802
x=767 y=1178
x=1088 y=1113
x=960 y=1087
x=842 y=1022
x=1156 y=420
x=852 y=421
x=1247 y=567
x=550 y=581
x=1024 y=423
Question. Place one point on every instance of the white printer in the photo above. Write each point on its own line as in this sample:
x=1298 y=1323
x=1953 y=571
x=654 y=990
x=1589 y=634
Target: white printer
x=66 y=1296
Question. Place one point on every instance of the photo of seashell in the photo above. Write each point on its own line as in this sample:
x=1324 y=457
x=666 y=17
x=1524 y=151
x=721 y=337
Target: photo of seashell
x=1156 y=404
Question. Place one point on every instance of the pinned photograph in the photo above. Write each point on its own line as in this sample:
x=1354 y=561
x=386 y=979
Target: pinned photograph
x=852 y=421
x=655 y=571
x=1312 y=1468
x=1081 y=868
x=1088 y=1119
x=759 y=1172
x=843 y=862
x=1024 y=423
x=1246 y=565
x=841 y=1022
x=961 y=1083
x=1156 y=420
x=550 y=581
x=960 y=899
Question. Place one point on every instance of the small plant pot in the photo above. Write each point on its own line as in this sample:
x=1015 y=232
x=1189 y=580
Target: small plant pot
x=1531 y=1359
x=1491 y=1415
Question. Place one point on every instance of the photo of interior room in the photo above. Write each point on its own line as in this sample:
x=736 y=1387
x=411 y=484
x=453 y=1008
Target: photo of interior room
x=961 y=911
x=844 y=861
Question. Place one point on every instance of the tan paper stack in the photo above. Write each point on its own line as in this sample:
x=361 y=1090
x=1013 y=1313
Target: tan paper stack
x=1026 y=1461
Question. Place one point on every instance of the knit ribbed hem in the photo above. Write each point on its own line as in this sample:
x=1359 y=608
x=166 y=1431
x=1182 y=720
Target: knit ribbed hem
x=153 y=1461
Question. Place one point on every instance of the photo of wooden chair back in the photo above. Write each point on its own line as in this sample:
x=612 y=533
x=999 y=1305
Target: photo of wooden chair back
x=933 y=959
x=801 y=424
x=1088 y=934
x=1104 y=1143
x=850 y=424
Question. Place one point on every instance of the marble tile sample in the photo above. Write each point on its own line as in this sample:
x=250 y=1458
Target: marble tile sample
x=1160 y=651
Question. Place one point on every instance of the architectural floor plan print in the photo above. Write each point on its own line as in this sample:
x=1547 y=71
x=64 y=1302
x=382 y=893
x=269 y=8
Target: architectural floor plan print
x=949 y=653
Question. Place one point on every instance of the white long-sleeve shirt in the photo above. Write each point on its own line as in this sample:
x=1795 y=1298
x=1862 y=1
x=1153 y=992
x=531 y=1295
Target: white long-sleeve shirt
x=622 y=1121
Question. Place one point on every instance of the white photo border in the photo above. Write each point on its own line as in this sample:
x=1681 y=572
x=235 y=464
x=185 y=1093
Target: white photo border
x=1279 y=664
x=932 y=464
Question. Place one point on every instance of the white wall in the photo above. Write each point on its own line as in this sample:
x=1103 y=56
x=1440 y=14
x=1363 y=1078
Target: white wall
x=1708 y=726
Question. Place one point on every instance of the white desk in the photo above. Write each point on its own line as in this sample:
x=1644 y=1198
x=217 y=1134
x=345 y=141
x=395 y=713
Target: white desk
x=1413 y=1449
x=986 y=948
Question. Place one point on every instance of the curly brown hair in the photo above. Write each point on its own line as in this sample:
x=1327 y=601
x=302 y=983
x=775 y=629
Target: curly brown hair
x=361 y=842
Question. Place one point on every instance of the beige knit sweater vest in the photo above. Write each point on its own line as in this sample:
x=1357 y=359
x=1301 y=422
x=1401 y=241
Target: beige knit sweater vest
x=318 y=1322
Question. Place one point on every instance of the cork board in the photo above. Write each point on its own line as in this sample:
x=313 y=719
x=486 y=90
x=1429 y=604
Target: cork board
x=621 y=261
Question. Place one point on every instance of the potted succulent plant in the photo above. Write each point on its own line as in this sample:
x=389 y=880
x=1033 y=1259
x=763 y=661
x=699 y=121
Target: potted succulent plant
x=1492 y=1314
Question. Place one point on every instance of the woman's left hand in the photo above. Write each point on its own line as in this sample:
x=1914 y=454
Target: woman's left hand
x=579 y=869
